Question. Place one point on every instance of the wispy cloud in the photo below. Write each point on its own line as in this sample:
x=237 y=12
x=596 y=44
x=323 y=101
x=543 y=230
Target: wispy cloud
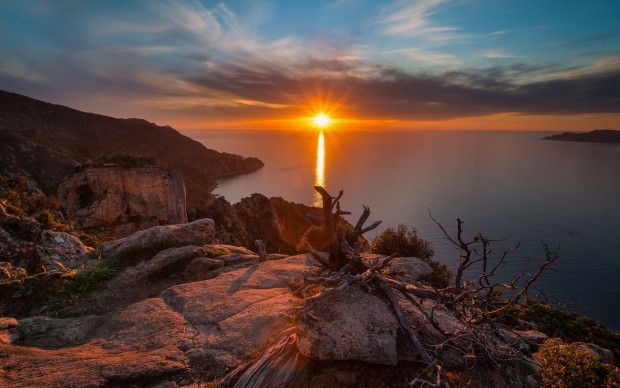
x=413 y=19
x=184 y=59
x=496 y=54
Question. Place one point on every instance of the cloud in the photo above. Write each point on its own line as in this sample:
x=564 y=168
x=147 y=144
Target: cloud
x=496 y=54
x=182 y=59
x=412 y=19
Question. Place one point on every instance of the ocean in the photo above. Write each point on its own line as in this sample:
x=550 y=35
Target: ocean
x=509 y=186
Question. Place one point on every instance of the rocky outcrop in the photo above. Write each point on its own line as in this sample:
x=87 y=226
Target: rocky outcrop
x=26 y=246
x=199 y=330
x=342 y=328
x=227 y=307
x=47 y=141
x=596 y=136
x=147 y=243
x=115 y=202
x=280 y=224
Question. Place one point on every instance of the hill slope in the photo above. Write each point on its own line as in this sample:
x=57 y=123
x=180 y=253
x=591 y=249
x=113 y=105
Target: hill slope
x=48 y=141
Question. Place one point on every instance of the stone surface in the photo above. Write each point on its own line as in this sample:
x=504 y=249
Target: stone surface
x=350 y=325
x=25 y=244
x=409 y=269
x=116 y=202
x=205 y=327
x=171 y=257
x=59 y=250
x=534 y=338
x=147 y=243
x=605 y=355
x=203 y=264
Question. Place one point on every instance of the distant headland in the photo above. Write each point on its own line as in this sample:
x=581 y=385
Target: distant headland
x=596 y=136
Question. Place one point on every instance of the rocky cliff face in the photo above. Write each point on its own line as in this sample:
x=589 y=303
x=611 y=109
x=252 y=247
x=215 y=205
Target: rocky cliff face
x=278 y=222
x=116 y=202
x=46 y=142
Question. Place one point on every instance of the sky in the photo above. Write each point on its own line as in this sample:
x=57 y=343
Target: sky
x=369 y=64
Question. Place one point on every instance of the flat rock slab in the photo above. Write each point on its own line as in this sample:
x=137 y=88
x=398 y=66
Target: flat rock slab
x=201 y=328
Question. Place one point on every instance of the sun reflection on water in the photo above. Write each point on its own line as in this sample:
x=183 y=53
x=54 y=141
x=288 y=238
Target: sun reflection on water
x=319 y=174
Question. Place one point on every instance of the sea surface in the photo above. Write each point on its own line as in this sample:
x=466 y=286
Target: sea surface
x=509 y=186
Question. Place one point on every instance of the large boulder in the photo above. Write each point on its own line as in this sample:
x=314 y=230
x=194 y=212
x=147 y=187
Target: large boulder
x=147 y=243
x=349 y=325
x=116 y=201
x=60 y=250
x=25 y=244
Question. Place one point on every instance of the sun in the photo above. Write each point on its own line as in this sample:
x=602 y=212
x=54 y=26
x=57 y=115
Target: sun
x=321 y=120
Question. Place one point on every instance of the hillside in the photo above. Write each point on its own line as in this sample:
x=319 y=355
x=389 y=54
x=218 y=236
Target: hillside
x=48 y=141
x=596 y=136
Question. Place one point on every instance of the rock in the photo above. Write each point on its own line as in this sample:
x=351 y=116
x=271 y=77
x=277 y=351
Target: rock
x=147 y=243
x=349 y=325
x=604 y=355
x=169 y=258
x=60 y=250
x=46 y=332
x=116 y=202
x=279 y=223
x=7 y=325
x=203 y=264
x=534 y=338
x=409 y=269
x=201 y=329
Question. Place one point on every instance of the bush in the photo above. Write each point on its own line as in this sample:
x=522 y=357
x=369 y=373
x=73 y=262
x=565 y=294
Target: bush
x=406 y=243
x=567 y=366
x=402 y=240
x=566 y=325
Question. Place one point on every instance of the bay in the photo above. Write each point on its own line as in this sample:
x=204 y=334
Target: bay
x=510 y=186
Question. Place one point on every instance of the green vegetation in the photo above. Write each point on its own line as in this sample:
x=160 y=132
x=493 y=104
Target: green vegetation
x=568 y=366
x=120 y=160
x=570 y=327
x=406 y=242
x=21 y=201
x=49 y=294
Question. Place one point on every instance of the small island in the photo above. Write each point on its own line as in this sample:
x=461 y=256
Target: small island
x=596 y=136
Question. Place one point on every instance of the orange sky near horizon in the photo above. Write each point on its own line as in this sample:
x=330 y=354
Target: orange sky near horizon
x=496 y=122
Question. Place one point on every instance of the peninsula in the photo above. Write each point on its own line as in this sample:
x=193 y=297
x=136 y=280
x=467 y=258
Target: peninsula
x=596 y=136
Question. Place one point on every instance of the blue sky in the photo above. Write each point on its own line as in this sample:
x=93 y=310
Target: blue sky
x=432 y=63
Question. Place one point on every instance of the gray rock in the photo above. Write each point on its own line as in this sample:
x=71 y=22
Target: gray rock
x=349 y=325
x=409 y=269
x=605 y=355
x=147 y=243
x=171 y=257
x=534 y=338
x=203 y=264
x=59 y=251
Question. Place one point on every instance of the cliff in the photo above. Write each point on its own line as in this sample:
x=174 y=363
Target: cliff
x=47 y=141
x=113 y=201
x=596 y=136
x=186 y=311
x=280 y=224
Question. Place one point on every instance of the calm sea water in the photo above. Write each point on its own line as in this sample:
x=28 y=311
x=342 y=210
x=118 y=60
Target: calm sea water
x=506 y=185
